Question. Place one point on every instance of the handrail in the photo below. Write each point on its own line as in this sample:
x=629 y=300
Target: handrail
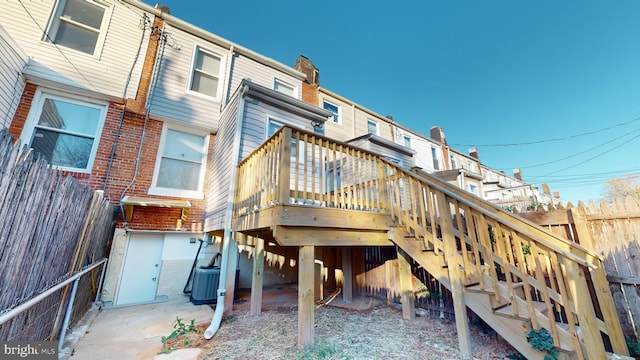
x=299 y=167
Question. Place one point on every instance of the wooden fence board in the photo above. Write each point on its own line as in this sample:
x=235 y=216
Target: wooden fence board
x=615 y=231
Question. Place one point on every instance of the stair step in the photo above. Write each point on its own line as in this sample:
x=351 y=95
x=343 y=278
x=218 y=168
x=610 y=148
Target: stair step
x=523 y=313
x=488 y=287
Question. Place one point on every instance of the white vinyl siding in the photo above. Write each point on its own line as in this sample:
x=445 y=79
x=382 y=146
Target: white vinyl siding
x=107 y=73
x=65 y=130
x=78 y=24
x=12 y=61
x=224 y=159
x=180 y=165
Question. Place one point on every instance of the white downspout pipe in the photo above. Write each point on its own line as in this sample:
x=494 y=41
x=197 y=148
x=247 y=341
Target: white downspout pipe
x=217 y=315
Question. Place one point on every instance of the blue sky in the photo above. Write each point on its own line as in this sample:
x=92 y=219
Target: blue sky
x=551 y=87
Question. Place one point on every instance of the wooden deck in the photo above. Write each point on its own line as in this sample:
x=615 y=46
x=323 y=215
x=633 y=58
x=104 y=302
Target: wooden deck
x=307 y=191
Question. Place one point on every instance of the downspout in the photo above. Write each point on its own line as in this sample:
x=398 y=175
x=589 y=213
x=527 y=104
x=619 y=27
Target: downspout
x=224 y=263
x=156 y=68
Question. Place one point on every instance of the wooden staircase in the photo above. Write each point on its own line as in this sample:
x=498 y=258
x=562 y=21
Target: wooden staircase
x=307 y=190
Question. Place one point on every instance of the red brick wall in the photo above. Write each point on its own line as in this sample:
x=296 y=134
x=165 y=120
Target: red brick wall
x=123 y=165
x=310 y=93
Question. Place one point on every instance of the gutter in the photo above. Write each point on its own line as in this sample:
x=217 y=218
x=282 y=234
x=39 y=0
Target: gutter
x=203 y=34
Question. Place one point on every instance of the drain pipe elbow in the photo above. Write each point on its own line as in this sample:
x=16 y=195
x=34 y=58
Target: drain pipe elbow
x=217 y=316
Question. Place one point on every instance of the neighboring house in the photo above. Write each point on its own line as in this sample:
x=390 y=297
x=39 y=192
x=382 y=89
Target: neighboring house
x=12 y=63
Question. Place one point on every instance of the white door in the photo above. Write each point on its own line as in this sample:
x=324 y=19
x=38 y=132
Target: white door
x=139 y=279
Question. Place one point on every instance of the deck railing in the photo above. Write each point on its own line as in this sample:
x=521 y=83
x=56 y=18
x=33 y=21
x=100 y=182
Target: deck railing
x=546 y=280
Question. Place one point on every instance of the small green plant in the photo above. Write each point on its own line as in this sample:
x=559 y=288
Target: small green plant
x=321 y=350
x=180 y=328
x=526 y=250
x=543 y=341
x=516 y=357
x=634 y=347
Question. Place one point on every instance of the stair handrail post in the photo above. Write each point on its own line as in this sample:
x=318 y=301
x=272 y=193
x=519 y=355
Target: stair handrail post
x=585 y=311
x=456 y=276
x=383 y=173
x=284 y=166
x=600 y=284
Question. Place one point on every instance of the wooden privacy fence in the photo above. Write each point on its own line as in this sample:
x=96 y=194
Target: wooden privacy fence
x=52 y=227
x=613 y=231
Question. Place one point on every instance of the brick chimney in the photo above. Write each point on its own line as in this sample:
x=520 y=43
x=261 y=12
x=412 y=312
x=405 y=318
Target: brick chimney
x=437 y=134
x=517 y=174
x=310 y=86
x=473 y=152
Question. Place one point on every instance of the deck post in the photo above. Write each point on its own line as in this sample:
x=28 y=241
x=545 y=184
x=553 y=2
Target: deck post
x=357 y=254
x=406 y=286
x=347 y=275
x=454 y=261
x=257 y=277
x=284 y=167
x=305 y=295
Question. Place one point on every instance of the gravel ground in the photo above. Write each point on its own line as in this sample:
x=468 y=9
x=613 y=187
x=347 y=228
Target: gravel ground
x=378 y=333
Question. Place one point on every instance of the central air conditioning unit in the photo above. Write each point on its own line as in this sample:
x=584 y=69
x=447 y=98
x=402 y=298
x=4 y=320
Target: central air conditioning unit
x=205 y=285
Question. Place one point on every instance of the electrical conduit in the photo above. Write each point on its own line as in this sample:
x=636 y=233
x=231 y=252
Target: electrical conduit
x=224 y=263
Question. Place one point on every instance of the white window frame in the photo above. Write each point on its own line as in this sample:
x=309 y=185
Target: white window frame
x=435 y=158
x=55 y=20
x=294 y=88
x=333 y=120
x=377 y=132
x=34 y=117
x=406 y=141
x=192 y=69
x=190 y=194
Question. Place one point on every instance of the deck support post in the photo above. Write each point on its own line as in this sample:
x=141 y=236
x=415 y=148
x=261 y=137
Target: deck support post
x=406 y=286
x=347 y=275
x=305 y=295
x=357 y=254
x=257 y=277
x=456 y=276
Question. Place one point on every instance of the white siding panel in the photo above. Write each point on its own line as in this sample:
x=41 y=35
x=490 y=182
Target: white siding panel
x=12 y=61
x=106 y=73
x=246 y=68
x=345 y=130
x=224 y=160
x=171 y=98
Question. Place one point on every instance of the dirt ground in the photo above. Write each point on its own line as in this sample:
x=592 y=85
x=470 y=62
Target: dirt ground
x=377 y=332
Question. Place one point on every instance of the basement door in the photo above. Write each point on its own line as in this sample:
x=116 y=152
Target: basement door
x=139 y=279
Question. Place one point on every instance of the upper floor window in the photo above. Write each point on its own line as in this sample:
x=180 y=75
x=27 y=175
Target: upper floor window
x=335 y=109
x=283 y=87
x=77 y=25
x=180 y=166
x=372 y=127
x=434 y=156
x=65 y=131
x=407 y=141
x=473 y=189
x=453 y=162
x=205 y=77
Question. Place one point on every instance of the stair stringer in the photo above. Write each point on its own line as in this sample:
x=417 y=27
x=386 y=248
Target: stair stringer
x=511 y=330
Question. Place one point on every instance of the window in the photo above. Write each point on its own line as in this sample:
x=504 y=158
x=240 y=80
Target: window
x=205 y=78
x=65 y=131
x=283 y=87
x=77 y=25
x=473 y=189
x=372 y=127
x=407 y=141
x=335 y=109
x=273 y=126
x=434 y=156
x=453 y=162
x=180 y=165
